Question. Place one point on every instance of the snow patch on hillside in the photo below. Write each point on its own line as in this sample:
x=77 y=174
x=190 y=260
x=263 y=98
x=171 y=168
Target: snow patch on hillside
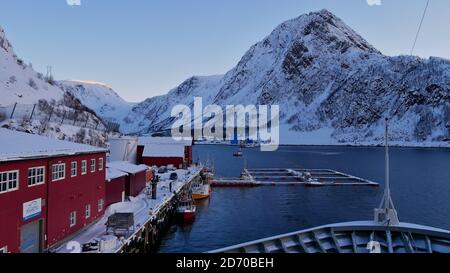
x=19 y=82
x=34 y=103
x=99 y=97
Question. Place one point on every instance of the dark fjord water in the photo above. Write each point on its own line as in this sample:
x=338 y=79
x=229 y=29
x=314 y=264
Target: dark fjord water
x=420 y=187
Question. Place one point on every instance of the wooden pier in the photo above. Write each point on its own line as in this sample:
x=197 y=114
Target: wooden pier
x=293 y=177
x=152 y=219
x=148 y=236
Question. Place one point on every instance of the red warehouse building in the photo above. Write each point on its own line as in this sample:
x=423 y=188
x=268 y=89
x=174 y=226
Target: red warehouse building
x=115 y=186
x=163 y=151
x=49 y=189
x=135 y=181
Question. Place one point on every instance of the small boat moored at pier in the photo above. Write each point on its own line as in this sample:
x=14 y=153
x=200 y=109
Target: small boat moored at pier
x=201 y=189
x=238 y=153
x=186 y=211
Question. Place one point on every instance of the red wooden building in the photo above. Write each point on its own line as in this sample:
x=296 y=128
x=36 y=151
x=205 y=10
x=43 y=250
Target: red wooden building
x=115 y=186
x=49 y=189
x=135 y=181
x=163 y=151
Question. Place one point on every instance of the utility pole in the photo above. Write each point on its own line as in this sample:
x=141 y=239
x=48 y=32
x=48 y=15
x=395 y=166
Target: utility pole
x=32 y=112
x=14 y=109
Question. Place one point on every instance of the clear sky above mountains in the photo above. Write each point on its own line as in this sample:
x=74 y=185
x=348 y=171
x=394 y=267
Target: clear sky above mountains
x=144 y=48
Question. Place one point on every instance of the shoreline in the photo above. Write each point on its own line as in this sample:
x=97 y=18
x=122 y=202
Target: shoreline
x=336 y=145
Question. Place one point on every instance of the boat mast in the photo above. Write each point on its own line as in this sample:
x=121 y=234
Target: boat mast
x=387 y=190
x=386 y=213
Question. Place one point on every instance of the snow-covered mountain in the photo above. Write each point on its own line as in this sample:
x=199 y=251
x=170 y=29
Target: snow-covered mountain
x=154 y=114
x=34 y=103
x=19 y=82
x=99 y=97
x=332 y=86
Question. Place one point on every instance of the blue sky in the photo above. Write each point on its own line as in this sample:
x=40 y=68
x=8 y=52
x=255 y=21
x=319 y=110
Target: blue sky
x=143 y=48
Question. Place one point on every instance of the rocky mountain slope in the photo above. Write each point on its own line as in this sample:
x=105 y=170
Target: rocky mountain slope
x=19 y=82
x=332 y=86
x=99 y=97
x=34 y=103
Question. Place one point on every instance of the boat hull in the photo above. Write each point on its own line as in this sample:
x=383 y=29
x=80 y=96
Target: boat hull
x=186 y=218
x=201 y=192
x=199 y=196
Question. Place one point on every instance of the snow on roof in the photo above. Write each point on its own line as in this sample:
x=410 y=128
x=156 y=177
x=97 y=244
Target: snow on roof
x=127 y=167
x=16 y=145
x=166 y=150
x=112 y=173
x=164 y=140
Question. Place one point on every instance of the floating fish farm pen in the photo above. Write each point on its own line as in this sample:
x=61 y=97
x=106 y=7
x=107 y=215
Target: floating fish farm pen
x=305 y=177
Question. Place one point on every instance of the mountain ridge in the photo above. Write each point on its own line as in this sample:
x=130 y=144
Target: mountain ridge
x=100 y=97
x=333 y=88
x=332 y=85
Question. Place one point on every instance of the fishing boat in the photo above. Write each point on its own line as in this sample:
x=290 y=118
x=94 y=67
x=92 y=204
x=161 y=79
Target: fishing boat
x=186 y=211
x=238 y=153
x=384 y=234
x=201 y=189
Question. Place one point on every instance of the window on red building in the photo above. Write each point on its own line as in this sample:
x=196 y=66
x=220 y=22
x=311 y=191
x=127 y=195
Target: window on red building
x=83 y=167
x=58 y=171
x=100 y=164
x=92 y=165
x=73 y=169
x=100 y=205
x=73 y=218
x=88 y=211
x=36 y=176
x=9 y=181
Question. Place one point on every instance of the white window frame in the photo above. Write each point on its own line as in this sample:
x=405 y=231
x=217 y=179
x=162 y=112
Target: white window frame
x=93 y=165
x=100 y=164
x=87 y=213
x=73 y=219
x=8 y=181
x=59 y=171
x=84 y=167
x=35 y=176
x=4 y=250
x=100 y=204
x=72 y=169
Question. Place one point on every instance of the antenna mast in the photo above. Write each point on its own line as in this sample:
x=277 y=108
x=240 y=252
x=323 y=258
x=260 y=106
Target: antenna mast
x=386 y=213
x=387 y=190
x=49 y=76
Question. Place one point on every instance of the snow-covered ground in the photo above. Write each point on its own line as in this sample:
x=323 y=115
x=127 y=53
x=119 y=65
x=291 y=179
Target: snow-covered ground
x=143 y=207
x=59 y=131
x=18 y=80
x=24 y=91
x=19 y=145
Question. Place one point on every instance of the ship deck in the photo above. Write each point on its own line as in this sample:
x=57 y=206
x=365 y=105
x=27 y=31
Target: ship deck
x=352 y=237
